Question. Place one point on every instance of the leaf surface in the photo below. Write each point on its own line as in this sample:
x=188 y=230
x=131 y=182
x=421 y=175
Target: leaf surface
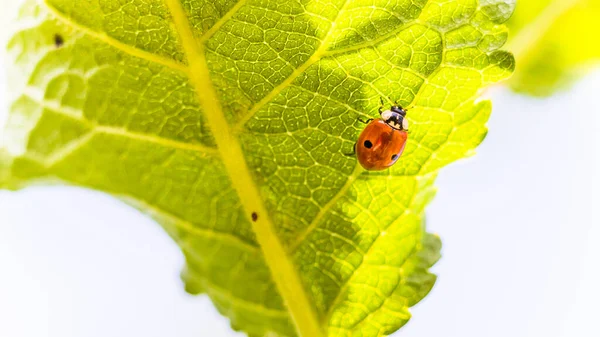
x=228 y=122
x=554 y=42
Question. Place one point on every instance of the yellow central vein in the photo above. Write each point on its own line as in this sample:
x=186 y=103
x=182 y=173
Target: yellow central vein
x=282 y=269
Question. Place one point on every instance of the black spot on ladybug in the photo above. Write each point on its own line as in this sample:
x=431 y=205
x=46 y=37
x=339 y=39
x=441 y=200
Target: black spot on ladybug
x=368 y=144
x=394 y=156
x=58 y=40
x=254 y=216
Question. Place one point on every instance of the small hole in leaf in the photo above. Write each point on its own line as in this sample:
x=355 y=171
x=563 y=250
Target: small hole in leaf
x=58 y=40
x=368 y=144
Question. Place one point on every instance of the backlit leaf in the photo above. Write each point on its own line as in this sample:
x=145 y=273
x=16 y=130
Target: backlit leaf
x=228 y=122
x=554 y=42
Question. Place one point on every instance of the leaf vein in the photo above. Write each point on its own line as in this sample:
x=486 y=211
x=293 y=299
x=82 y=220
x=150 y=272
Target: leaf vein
x=125 y=48
x=343 y=289
x=189 y=227
x=316 y=56
x=120 y=131
x=235 y=300
x=283 y=272
x=209 y=33
x=358 y=170
x=58 y=156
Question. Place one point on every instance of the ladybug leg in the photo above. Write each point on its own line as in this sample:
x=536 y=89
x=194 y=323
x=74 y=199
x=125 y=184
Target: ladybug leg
x=395 y=105
x=365 y=121
x=353 y=152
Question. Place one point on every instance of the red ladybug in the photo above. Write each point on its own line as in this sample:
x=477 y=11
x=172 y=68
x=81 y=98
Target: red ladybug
x=382 y=141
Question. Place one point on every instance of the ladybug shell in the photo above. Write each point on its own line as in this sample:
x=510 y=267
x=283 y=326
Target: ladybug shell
x=386 y=147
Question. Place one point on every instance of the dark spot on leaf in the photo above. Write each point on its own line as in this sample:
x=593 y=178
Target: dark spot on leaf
x=368 y=144
x=254 y=216
x=58 y=40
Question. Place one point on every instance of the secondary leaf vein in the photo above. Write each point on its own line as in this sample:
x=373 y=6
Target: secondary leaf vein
x=209 y=33
x=127 y=49
x=119 y=131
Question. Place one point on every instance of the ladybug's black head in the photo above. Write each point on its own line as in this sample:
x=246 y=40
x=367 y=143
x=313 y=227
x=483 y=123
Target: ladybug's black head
x=395 y=117
x=398 y=109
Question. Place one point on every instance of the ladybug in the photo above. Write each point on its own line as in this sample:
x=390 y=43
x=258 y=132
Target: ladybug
x=382 y=141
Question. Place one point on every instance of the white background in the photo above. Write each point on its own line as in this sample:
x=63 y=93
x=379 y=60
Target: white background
x=519 y=221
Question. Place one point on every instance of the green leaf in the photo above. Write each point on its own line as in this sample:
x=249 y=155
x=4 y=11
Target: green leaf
x=554 y=42
x=228 y=122
x=5 y=163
